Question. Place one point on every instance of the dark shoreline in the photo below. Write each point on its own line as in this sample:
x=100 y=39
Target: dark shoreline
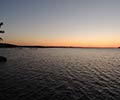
x=6 y=45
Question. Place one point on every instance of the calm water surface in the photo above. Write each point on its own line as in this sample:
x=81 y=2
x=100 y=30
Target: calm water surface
x=60 y=74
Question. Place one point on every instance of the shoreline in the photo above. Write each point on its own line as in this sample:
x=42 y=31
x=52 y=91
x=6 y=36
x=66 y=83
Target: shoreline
x=6 y=45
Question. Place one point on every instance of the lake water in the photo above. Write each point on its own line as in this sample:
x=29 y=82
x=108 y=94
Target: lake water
x=60 y=74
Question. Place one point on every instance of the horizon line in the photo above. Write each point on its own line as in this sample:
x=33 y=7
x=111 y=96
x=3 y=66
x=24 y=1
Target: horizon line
x=55 y=46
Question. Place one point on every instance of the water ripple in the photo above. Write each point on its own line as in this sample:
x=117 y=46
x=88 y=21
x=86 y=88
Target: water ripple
x=60 y=74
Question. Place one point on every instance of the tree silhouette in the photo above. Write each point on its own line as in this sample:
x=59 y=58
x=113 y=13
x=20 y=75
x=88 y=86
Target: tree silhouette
x=2 y=59
x=1 y=31
x=1 y=39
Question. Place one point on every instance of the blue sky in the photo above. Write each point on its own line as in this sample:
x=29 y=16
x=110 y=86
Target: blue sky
x=61 y=22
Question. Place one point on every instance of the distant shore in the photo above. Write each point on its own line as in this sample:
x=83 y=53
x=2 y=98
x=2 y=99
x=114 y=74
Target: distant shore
x=7 y=45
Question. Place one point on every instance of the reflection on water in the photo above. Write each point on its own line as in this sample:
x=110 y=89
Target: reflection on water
x=60 y=74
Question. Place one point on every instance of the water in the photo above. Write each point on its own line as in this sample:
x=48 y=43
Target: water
x=60 y=74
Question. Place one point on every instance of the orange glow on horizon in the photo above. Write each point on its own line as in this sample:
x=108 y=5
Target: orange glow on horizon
x=75 y=41
x=74 y=44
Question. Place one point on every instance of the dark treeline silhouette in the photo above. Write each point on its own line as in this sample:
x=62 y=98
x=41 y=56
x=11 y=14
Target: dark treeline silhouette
x=6 y=45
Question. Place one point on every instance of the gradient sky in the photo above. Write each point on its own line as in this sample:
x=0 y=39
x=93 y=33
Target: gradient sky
x=93 y=23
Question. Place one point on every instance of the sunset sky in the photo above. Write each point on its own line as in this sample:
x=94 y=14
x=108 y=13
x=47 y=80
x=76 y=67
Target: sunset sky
x=87 y=23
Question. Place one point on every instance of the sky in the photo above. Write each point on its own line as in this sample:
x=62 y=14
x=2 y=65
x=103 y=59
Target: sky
x=86 y=23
